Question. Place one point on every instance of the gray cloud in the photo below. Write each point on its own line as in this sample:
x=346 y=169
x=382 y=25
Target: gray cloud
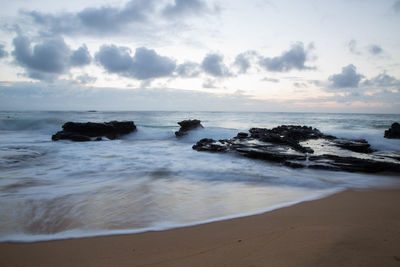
x=272 y=80
x=209 y=84
x=142 y=15
x=188 y=70
x=295 y=58
x=243 y=60
x=383 y=80
x=352 y=46
x=145 y=64
x=347 y=78
x=114 y=59
x=300 y=85
x=45 y=60
x=49 y=56
x=185 y=7
x=213 y=64
x=40 y=96
x=111 y=19
x=375 y=49
x=85 y=79
x=81 y=56
x=396 y=6
x=95 y=19
x=3 y=52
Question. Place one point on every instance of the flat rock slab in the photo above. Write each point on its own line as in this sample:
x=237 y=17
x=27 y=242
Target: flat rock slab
x=304 y=147
x=93 y=131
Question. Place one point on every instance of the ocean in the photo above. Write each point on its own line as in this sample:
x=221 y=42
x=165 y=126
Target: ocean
x=151 y=180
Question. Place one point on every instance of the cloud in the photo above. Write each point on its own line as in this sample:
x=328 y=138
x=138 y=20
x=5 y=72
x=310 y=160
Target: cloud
x=352 y=46
x=209 y=84
x=213 y=64
x=67 y=96
x=85 y=79
x=188 y=70
x=145 y=64
x=47 y=59
x=145 y=17
x=243 y=60
x=300 y=85
x=384 y=81
x=185 y=7
x=295 y=58
x=347 y=78
x=111 y=18
x=272 y=80
x=3 y=52
x=80 y=57
x=49 y=56
x=375 y=49
x=396 y=6
x=95 y=19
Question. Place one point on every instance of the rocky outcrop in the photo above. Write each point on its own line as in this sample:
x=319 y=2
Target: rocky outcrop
x=304 y=147
x=92 y=131
x=186 y=126
x=393 y=132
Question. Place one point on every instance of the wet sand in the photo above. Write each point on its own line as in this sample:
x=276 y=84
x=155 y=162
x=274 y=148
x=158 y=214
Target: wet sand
x=352 y=228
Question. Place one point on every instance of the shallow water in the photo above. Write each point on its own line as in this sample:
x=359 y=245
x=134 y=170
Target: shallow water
x=152 y=180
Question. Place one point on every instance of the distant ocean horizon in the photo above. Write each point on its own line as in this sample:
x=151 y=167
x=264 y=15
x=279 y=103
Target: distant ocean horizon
x=150 y=180
x=191 y=111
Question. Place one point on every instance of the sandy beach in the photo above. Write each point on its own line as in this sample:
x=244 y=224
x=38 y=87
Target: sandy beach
x=352 y=228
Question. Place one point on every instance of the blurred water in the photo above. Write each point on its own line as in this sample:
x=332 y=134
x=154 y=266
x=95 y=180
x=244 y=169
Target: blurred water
x=152 y=180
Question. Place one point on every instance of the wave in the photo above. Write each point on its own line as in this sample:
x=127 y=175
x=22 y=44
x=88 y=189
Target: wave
x=29 y=124
x=148 y=133
x=160 y=225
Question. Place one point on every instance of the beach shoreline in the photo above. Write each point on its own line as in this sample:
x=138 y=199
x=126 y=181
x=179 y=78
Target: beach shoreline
x=352 y=228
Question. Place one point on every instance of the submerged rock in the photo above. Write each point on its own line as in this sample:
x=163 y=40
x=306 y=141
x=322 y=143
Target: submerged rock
x=301 y=147
x=186 y=126
x=393 y=132
x=81 y=132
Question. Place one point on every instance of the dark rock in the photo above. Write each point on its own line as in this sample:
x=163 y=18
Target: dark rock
x=353 y=164
x=186 y=126
x=210 y=145
x=287 y=132
x=76 y=131
x=304 y=147
x=287 y=135
x=242 y=135
x=393 y=132
x=360 y=145
x=70 y=136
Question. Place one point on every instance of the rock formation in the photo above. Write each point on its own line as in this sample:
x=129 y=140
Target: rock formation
x=301 y=147
x=186 y=126
x=91 y=131
x=393 y=131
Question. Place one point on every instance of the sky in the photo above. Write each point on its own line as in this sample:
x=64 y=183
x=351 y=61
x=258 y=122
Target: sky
x=216 y=55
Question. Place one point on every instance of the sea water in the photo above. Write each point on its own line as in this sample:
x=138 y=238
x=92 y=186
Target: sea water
x=151 y=180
